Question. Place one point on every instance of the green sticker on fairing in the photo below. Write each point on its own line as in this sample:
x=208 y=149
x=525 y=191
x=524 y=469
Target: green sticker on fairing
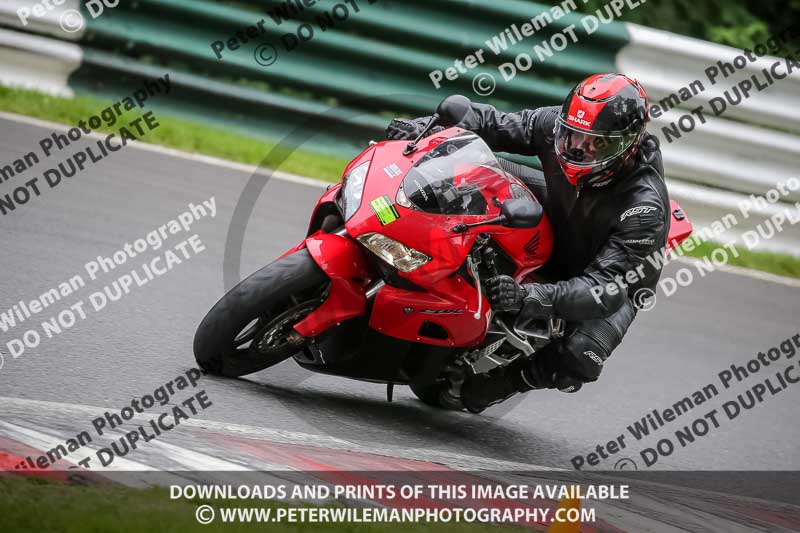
x=384 y=210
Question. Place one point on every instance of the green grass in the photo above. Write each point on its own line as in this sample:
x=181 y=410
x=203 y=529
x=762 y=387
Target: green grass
x=780 y=264
x=32 y=505
x=175 y=133
x=199 y=138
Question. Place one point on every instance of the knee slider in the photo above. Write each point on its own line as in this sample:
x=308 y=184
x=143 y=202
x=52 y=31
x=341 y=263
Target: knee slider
x=586 y=356
x=568 y=384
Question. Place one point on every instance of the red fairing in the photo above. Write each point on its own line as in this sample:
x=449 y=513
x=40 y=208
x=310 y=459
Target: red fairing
x=443 y=307
x=344 y=263
x=680 y=226
x=452 y=312
x=432 y=234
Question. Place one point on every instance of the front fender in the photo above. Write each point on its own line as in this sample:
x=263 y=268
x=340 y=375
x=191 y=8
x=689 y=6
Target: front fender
x=349 y=271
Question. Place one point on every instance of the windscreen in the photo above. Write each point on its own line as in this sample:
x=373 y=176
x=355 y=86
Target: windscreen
x=458 y=177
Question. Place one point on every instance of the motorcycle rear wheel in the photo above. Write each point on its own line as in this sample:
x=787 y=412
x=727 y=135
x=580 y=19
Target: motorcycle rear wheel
x=428 y=394
x=251 y=328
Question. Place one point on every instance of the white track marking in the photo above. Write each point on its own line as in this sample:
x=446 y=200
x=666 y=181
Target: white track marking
x=34 y=408
x=195 y=460
x=648 y=495
x=28 y=407
x=45 y=441
x=240 y=167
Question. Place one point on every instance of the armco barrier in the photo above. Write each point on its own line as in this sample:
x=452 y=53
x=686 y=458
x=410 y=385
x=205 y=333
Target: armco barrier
x=354 y=64
x=339 y=89
x=38 y=63
x=49 y=24
x=667 y=62
x=749 y=147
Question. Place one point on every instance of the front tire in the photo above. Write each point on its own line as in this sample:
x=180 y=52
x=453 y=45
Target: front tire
x=250 y=328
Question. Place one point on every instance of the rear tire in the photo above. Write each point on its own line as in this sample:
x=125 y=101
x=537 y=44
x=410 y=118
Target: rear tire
x=428 y=394
x=242 y=333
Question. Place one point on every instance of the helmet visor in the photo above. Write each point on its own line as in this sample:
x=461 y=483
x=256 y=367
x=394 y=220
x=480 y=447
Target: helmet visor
x=586 y=148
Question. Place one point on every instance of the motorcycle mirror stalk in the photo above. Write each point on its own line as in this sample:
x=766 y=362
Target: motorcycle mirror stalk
x=514 y=213
x=412 y=146
x=451 y=111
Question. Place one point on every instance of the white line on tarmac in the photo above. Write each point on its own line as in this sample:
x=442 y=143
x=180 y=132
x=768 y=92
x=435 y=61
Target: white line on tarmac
x=209 y=160
x=33 y=409
x=45 y=441
x=195 y=460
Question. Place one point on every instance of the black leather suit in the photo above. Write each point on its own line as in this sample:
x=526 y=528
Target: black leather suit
x=600 y=234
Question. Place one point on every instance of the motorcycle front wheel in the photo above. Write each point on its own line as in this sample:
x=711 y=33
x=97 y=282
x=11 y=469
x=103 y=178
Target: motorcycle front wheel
x=251 y=328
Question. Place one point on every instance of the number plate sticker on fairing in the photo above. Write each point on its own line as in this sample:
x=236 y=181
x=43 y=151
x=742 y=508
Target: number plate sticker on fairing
x=384 y=210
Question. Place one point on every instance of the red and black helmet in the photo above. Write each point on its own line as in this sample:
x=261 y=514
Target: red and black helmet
x=600 y=127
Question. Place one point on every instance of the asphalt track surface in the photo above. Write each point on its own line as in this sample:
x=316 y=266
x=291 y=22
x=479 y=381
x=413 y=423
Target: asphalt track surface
x=145 y=339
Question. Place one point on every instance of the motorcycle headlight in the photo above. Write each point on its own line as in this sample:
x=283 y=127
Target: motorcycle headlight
x=353 y=190
x=397 y=254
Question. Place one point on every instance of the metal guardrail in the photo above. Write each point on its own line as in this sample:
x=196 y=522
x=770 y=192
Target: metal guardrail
x=748 y=148
x=340 y=89
x=353 y=65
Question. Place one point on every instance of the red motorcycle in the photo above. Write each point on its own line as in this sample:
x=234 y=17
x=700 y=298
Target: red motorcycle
x=387 y=286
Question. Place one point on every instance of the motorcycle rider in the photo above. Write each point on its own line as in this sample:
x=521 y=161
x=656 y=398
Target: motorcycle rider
x=609 y=209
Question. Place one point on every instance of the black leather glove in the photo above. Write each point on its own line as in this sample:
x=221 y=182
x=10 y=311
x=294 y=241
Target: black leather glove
x=504 y=294
x=401 y=129
x=538 y=302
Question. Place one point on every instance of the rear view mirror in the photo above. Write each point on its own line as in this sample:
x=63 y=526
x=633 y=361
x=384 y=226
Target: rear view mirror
x=521 y=213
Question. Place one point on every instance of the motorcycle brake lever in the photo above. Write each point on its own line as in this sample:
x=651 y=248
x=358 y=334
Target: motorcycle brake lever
x=472 y=266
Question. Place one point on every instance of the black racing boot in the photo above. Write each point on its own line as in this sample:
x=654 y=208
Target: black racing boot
x=481 y=391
